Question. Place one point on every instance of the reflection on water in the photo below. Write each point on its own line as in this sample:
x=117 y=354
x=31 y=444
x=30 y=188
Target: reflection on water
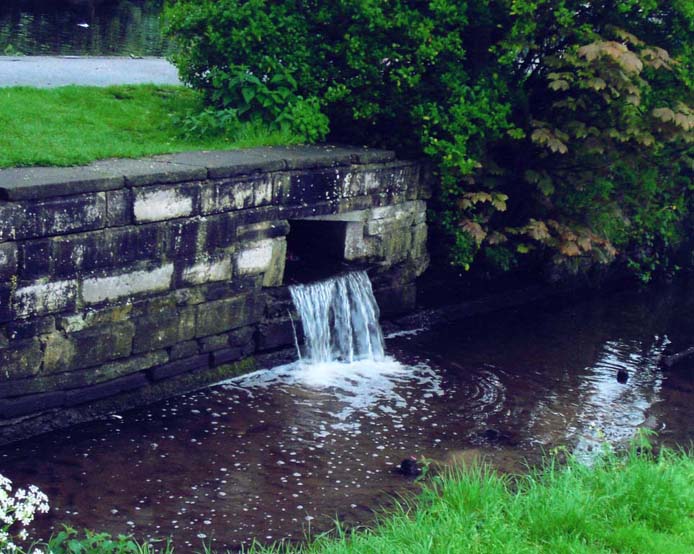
x=278 y=453
x=82 y=27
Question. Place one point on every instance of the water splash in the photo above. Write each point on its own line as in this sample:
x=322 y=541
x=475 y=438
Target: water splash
x=340 y=320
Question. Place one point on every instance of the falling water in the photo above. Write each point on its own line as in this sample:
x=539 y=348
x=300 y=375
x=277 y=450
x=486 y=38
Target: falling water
x=340 y=319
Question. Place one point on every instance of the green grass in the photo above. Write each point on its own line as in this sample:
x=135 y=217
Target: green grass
x=629 y=504
x=76 y=125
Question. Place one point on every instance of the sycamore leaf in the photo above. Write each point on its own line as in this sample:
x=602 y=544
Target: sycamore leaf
x=474 y=229
x=596 y=83
x=495 y=237
x=570 y=249
x=630 y=62
x=537 y=230
x=560 y=84
x=499 y=201
x=585 y=244
x=664 y=114
x=590 y=51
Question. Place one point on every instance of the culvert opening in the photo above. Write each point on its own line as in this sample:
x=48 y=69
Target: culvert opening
x=315 y=250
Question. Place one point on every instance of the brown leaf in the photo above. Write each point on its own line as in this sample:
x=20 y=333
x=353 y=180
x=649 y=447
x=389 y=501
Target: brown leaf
x=569 y=249
x=474 y=229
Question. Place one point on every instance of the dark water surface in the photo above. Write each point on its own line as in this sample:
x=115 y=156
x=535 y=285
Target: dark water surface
x=287 y=451
x=82 y=27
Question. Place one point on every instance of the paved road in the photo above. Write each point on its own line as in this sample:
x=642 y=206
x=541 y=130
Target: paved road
x=53 y=71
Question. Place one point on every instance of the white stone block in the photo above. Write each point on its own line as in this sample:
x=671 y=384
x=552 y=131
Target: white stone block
x=256 y=257
x=161 y=204
x=207 y=271
x=44 y=298
x=116 y=286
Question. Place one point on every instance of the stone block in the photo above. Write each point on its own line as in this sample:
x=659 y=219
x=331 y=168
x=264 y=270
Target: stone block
x=240 y=284
x=185 y=238
x=119 y=208
x=184 y=349
x=21 y=359
x=16 y=407
x=226 y=356
x=162 y=203
x=215 y=342
x=255 y=257
x=274 y=274
x=153 y=333
x=243 y=337
x=73 y=254
x=94 y=318
x=262 y=230
x=220 y=316
x=106 y=389
x=58 y=216
x=87 y=348
x=32 y=183
x=178 y=367
x=206 y=271
x=36 y=257
x=237 y=194
x=5 y=301
x=8 y=260
x=275 y=334
x=419 y=241
x=28 y=328
x=45 y=298
x=112 y=287
x=219 y=232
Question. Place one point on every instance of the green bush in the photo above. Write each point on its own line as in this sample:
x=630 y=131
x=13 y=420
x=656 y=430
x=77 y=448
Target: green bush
x=578 y=115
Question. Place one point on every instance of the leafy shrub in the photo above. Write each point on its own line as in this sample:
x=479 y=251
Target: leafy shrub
x=579 y=115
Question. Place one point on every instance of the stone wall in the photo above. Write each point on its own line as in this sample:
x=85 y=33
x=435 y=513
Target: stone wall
x=131 y=280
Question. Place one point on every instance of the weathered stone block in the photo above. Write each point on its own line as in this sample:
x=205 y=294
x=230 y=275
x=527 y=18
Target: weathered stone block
x=36 y=257
x=104 y=390
x=21 y=359
x=153 y=333
x=184 y=238
x=16 y=407
x=119 y=208
x=274 y=274
x=28 y=328
x=94 y=318
x=215 y=342
x=237 y=194
x=255 y=257
x=87 y=348
x=162 y=203
x=70 y=214
x=6 y=301
x=100 y=289
x=178 y=367
x=206 y=271
x=8 y=260
x=108 y=248
x=184 y=349
x=226 y=356
x=45 y=298
x=217 y=317
x=275 y=334
x=262 y=230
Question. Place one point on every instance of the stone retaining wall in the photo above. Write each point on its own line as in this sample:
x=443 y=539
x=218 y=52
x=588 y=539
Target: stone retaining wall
x=127 y=281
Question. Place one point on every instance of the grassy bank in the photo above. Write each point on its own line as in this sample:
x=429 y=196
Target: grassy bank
x=633 y=504
x=76 y=125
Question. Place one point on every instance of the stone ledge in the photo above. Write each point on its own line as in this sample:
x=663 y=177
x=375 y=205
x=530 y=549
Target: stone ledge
x=45 y=182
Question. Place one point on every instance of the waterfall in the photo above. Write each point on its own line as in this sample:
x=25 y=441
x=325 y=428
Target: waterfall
x=340 y=319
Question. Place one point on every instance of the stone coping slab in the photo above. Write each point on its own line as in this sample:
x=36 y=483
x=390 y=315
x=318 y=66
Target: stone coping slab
x=33 y=183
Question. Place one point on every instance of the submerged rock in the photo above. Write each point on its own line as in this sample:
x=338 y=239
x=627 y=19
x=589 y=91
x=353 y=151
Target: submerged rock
x=622 y=376
x=409 y=467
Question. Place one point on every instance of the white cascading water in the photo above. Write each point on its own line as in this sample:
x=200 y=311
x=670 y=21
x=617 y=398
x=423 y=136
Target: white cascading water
x=344 y=368
x=340 y=320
